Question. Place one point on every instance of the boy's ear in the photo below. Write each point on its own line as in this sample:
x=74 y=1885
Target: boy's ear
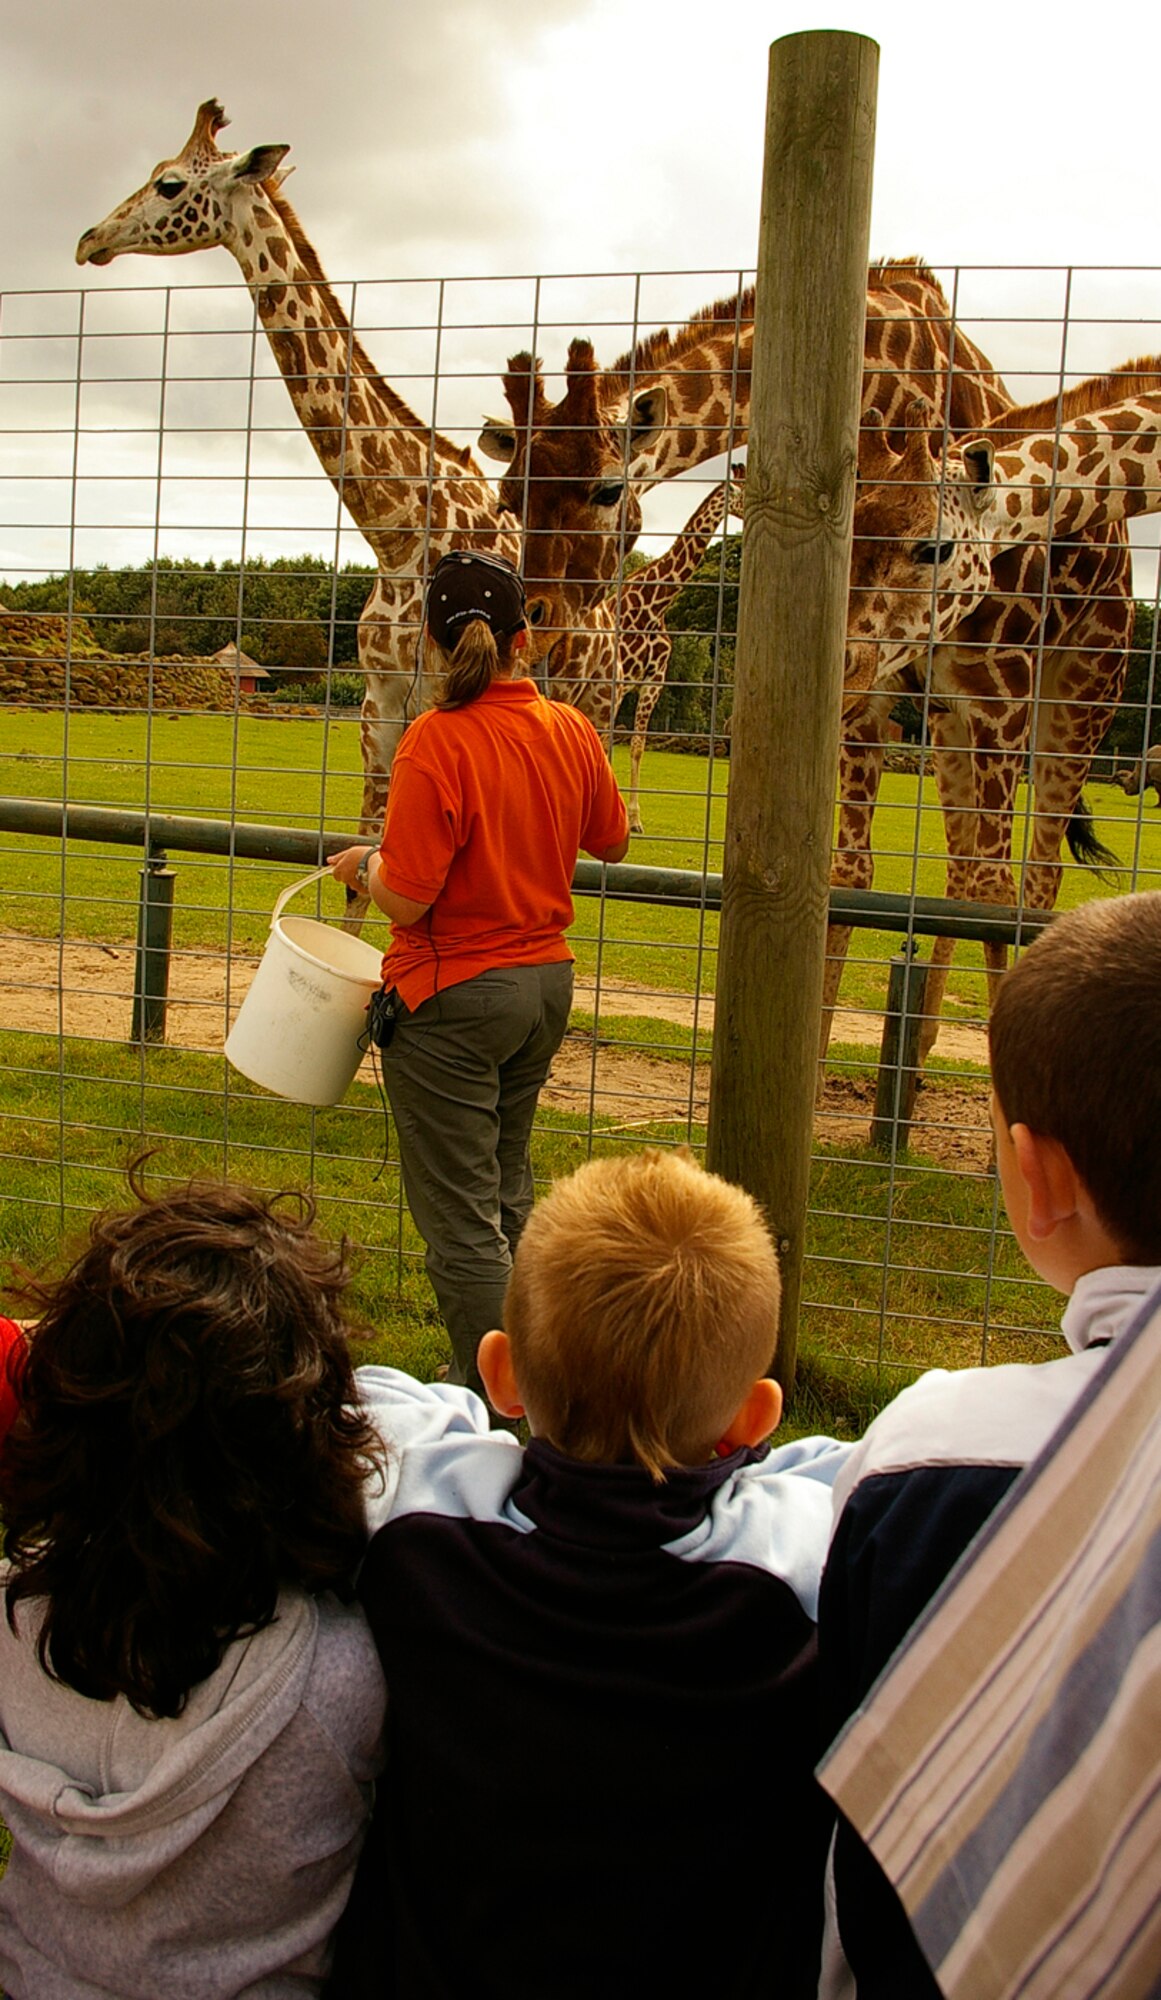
x=1052 y=1182
x=755 y=1419
x=494 y=1361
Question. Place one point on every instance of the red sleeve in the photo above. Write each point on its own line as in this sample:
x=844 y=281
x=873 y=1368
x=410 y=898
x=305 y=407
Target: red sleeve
x=420 y=833
x=607 y=821
x=12 y=1351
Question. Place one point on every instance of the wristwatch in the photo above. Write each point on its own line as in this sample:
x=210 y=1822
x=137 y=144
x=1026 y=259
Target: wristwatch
x=361 y=870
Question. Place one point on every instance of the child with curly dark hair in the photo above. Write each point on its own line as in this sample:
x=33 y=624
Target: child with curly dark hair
x=190 y=1718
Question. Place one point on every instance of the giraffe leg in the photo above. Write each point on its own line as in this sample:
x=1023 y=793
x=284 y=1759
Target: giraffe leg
x=394 y=690
x=838 y=939
x=951 y=759
x=998 y=774
x=977 y=770
x=647 y=701
x=979 y=734
x=1069 y=728
x=860 y=775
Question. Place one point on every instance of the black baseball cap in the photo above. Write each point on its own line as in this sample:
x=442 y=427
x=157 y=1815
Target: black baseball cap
x=465 y=585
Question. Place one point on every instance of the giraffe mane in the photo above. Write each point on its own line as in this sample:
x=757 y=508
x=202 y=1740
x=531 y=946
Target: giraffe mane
x=1082 y=399
x=314 y=269
x=885 y=270
x=663 y=349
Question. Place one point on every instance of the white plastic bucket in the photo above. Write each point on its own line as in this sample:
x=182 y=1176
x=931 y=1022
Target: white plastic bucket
x=297 y=1031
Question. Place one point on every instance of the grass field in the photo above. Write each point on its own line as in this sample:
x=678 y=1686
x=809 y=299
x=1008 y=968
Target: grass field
x=301 y=773
x=902 y=1264
x=905 y=1266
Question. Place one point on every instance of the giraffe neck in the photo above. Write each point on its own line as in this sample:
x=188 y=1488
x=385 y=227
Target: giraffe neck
x=708 y=402
x=612 y=648
x=390 y=470
x=673 y=569
x=912 y=347
x=1105 y=467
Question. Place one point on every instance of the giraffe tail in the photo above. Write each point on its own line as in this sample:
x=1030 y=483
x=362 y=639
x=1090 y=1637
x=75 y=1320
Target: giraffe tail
x=1085 y=847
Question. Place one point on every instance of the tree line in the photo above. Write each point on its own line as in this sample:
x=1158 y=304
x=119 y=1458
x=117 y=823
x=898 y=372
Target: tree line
x=295 y=612
x=298 y=613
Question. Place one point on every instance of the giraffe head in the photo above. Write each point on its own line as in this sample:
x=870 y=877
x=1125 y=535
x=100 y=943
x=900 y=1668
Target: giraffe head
x=567 y=472
x=189 y=202
x=923 y=540
x=568 y=644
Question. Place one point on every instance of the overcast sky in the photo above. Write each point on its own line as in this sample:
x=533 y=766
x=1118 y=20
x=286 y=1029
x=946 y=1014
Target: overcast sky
x=485 y=138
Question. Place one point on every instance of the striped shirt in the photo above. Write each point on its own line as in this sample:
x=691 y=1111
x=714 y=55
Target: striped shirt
x=1006 y=1771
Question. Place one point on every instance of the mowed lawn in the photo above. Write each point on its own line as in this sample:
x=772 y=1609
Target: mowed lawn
x=905 y=1268
x=306 y=774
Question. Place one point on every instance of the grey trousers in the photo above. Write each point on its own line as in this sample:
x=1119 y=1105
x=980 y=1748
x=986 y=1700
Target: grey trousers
x=463 y=1075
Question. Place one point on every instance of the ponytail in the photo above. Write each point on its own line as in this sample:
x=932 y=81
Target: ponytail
x=473 y=666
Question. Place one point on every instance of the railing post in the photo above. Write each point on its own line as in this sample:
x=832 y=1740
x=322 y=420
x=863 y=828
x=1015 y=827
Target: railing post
x=800 y=488
x=898 y=1078
x=154 y=936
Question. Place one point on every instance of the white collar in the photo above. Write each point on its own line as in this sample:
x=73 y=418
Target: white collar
x=1104 y=1301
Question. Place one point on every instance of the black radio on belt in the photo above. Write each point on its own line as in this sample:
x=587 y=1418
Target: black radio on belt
x=382 y=1014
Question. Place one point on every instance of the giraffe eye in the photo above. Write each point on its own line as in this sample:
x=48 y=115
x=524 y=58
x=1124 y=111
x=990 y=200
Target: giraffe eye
x=170 y=186
x=535 y=612
x=607 y=496
x=933 y=552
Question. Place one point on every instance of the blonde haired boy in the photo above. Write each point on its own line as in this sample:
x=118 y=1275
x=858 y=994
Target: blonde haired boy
x=1075 y=1040
x=600 y=1648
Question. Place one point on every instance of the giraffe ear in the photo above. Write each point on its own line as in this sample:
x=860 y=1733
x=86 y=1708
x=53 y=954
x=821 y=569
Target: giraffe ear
x=260 y=163
x=648 y=412
x=979 y=463
x=498 y=440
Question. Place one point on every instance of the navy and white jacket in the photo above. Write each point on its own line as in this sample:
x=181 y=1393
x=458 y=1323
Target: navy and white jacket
x=602 y=1715
x=908 y=1502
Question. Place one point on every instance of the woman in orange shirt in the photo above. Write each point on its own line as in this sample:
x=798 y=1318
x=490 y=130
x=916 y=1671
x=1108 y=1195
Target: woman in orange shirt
x=493 y=793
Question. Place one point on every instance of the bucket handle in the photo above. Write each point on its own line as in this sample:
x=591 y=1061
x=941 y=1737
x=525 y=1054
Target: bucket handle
x=316 y=875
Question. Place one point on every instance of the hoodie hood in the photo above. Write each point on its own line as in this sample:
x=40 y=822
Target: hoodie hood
x=137 y=1793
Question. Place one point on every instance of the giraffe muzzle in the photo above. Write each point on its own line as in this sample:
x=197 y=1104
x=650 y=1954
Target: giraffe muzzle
x=88 y=255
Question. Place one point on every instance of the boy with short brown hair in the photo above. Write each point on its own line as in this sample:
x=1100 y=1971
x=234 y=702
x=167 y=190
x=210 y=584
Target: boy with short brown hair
x=1075 y=1039
x=665 y=1258
x=599 y=1646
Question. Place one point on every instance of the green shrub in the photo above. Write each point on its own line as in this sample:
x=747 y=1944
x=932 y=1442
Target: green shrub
x=342 y=690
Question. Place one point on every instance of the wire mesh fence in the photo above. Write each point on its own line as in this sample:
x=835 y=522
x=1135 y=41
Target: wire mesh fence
x=182 y=583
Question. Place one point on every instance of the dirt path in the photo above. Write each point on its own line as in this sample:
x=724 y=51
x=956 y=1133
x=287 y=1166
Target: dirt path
x=87 y=990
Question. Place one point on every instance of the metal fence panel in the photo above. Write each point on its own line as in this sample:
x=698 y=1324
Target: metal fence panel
x=180 y=589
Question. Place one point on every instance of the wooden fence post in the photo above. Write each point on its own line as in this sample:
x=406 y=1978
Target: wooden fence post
x=800 y=484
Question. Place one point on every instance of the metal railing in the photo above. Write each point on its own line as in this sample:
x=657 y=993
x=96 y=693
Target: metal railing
x=161 y=834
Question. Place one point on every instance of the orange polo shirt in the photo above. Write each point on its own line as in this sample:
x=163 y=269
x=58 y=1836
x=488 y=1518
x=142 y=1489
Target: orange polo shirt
x=488 y=807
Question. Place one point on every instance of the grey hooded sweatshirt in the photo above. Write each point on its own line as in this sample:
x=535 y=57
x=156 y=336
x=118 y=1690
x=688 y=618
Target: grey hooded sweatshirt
x=195 y=1859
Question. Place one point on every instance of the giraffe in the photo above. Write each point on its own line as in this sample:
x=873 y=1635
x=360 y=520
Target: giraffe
x=1058 y=617
x=413 y=494
x=576 y=469
x=931 y=518
x=623 y=642
x=1086 y=459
